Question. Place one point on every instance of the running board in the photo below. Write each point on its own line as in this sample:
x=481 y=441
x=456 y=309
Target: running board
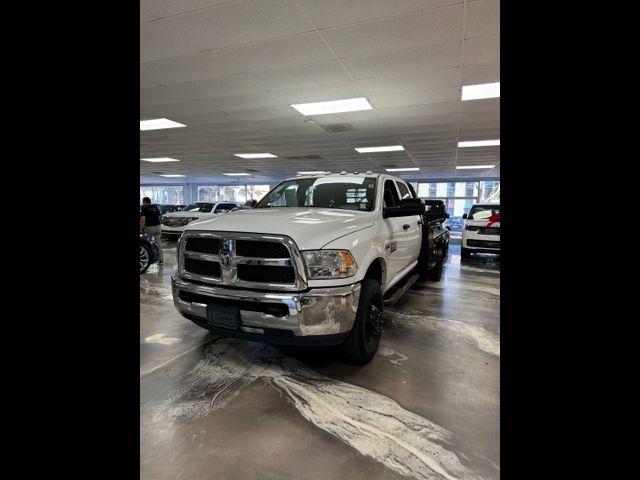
x=399 y=289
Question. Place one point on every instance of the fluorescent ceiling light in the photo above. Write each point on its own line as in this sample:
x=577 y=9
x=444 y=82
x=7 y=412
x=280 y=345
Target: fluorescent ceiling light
x=334 y=106
x=473 y=167
x=159 y=124
x=236 y=174
x=390 y=148
x=254 y=155
x=172 y=175
x=483 y=90
x=479 y=143
x=313 y=173
x=159 y=160
x=409 y=169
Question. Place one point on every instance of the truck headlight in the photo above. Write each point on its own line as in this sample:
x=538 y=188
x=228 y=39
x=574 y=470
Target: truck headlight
x=188 y=220
x=328 y=264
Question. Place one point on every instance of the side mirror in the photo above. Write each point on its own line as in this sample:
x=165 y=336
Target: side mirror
x=407 y=208
x=465 y=216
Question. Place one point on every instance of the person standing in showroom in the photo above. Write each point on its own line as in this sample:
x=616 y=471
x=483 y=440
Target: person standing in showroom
x=150 y=224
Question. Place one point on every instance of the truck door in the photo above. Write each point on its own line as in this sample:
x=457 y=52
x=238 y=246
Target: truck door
x=411 y=235
x=397 y=241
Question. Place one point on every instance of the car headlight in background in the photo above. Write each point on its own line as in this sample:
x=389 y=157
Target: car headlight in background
x=188 y=220
x=328 y=264
x=471 y=228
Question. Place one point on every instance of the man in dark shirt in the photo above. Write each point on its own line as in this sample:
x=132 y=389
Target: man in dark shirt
x=150 y=224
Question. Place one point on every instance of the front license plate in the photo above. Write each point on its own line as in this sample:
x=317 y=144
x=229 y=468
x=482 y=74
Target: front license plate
x=224 y=317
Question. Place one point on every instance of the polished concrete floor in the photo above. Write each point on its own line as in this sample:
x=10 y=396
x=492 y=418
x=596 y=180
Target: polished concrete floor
x=426 y=407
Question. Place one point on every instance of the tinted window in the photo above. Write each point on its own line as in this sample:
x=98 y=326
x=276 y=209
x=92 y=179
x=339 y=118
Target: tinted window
x=225 y=207
x=404 y=191
x=198 y=207
x=349 y=193
x=390 y=194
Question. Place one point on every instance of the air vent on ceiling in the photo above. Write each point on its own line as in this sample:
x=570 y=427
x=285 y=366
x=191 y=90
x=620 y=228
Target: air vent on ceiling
x=339 y=127
x=304 y=157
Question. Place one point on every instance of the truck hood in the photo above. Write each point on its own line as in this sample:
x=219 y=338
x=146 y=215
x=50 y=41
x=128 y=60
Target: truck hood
x=310 y=228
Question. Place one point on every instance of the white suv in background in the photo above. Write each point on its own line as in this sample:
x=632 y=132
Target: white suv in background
x=481 y=233
x=173 y=223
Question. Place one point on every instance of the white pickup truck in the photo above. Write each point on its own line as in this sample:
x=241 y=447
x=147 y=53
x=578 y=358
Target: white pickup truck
x=313 y=264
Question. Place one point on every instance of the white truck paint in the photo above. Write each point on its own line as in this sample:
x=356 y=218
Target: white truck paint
x=384 y=245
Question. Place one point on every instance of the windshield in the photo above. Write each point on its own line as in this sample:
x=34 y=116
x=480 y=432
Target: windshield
x=482 y=212
x=348 y=193
x=198 y=207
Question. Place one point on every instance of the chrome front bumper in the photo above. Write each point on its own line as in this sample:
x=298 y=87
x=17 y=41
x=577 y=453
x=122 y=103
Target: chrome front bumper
x=316 y=312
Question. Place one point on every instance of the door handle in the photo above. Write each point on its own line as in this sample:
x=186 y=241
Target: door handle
x=405 y=226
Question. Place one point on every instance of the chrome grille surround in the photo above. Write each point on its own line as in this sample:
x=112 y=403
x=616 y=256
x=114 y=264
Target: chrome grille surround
x=229 y=272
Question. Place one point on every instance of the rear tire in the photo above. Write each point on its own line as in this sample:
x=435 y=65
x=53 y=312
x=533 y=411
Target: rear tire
x=363 y=340
x=435 y=274
x=465 y=253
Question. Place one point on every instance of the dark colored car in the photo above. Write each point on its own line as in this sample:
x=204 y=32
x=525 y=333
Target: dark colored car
x=435 y=239
x=148 y=253
x=455 y=224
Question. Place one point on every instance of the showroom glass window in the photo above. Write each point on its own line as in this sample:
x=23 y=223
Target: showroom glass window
x=163 y=194
x=208 y=193
x=231 y=193
x=490 y=191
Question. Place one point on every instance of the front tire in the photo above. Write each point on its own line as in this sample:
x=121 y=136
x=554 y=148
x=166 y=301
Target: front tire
x=465 y=253
x=363 y=340
x=145 y=258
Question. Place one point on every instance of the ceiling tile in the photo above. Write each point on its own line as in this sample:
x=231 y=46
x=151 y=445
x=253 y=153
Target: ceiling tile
x=318 y=93
x=425 y=28
x=331 y=13
x=167 y=8
x=481 y=50
x=405 y=61
x=481 y=73
x=308 y=48
x=146 y=15
x=260 y=20
x=403 y=82
x=419 y=97
x=483 y=18
x=301 y=75
x=158 y=41
x=201 y=89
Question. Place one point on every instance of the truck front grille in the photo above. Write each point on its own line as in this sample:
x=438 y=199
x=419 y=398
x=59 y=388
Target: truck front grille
x=257 y=249
x=241 y=260
x=203 y=245
x=202 y=267
x=266 y=274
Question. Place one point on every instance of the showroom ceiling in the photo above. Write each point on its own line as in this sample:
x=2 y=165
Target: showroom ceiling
x=230 y=70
